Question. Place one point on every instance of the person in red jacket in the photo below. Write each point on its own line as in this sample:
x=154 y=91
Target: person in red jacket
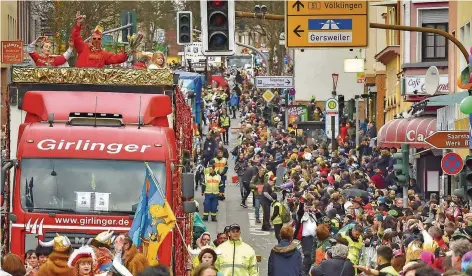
x=92 y=55
x=44 y=58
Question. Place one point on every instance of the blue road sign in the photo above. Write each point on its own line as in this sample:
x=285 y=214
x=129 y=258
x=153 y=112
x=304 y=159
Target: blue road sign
x=330 y=24
x=452 y=163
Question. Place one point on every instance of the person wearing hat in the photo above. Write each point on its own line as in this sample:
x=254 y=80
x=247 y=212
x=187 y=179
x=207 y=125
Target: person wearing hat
x=236 y=257
x=212 y=189
x=101 y=247
x=93 y=55
x=57 y=260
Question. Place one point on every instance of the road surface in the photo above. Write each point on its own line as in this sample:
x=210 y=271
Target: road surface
x=230 y=211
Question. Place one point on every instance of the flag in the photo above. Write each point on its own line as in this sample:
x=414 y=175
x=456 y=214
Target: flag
x=153 y=219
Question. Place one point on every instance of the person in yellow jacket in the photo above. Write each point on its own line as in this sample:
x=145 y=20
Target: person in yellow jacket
x=225 y=123
x=212 y=189
x=237 y=258
x=355 y=243
x=384 y=260
x=221 y=167
x=276 y=216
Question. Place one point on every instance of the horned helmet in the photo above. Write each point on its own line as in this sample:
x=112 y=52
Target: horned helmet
x=104 y=239
x=58 y=244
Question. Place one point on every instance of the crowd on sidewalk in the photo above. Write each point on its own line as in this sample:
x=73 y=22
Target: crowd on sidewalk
x=345 y=209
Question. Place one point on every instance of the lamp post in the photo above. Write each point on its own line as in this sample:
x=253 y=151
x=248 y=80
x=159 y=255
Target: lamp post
x=334 y=142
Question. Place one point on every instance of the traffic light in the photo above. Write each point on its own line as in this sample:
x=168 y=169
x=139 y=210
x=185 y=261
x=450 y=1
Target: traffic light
x=218 y=27
x=128 y=17
x=461 y=179
x=184 y=28
x=468 y=175
x=402 y=166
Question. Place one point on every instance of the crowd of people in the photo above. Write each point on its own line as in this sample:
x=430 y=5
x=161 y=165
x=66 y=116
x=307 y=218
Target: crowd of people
x=347 y=212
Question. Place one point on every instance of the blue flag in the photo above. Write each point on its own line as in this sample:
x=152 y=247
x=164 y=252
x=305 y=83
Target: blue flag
x=153 y=219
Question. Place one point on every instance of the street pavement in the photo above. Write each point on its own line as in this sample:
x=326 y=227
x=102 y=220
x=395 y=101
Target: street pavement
x=230 y=211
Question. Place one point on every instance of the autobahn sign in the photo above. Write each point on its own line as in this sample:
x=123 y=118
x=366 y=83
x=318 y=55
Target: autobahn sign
x=311 y=24
x=452 y=163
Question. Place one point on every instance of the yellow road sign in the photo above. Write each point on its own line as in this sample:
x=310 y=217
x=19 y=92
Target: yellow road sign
x=327 y=7
x=320 y=24
x=268 y=96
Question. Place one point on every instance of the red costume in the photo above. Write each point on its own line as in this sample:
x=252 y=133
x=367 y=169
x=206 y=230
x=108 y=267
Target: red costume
x=42 y=60
x=92 y=57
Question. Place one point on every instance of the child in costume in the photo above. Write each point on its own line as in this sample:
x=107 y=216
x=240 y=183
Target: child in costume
x=92 y=55
x=44 y=58
x=57 y=260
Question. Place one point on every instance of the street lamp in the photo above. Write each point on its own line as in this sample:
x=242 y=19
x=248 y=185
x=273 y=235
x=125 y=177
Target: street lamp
x=335 y=82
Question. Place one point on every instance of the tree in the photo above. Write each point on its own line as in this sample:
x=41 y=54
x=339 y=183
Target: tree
x=269 y=29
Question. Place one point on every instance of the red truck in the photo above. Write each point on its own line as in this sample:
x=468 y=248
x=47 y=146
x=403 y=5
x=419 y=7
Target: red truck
x=79 y=168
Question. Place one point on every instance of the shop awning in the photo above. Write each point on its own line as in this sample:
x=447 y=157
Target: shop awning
x=410 y=131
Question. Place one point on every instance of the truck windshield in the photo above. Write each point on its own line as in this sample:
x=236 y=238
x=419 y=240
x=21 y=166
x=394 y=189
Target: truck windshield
x=84 y=185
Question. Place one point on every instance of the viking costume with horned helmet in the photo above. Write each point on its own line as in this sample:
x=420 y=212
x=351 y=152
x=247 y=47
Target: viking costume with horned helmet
x=92 y=55
x=44 y=58
x=101 y=247
x=57 y=260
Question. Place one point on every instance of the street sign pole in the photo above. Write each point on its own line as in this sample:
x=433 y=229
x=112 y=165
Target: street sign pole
x=334 y=144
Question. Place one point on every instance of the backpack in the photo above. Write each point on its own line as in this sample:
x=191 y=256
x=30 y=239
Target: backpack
x=285 y=214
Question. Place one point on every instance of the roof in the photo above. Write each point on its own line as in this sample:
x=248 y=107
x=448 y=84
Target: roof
x=85 y=142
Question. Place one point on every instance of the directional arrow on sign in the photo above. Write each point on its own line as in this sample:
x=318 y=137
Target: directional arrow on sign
x=287 y=81
x=297 y=31
x=298 y=4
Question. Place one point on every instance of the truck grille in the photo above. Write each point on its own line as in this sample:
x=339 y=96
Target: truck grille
x=77 y=239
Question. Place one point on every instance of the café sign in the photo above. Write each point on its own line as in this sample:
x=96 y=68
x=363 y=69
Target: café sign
x=415 y=85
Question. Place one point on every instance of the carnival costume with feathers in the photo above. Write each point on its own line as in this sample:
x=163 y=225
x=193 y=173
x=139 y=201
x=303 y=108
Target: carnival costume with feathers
x=47 y=60
x=57 y=260
x=91 y=56
x=101 y=245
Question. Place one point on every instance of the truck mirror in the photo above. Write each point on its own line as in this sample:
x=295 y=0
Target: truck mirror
x=188 y=180
x=12 y=218
x=190 y=207
x=6 y=167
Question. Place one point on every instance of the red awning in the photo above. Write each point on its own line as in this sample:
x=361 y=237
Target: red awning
x=411 y=131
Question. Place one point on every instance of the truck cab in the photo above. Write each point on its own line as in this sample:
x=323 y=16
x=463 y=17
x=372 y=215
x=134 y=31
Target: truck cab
x=79 y=167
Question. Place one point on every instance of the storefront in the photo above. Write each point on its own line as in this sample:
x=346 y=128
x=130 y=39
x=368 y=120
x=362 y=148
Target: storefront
x=426 y=163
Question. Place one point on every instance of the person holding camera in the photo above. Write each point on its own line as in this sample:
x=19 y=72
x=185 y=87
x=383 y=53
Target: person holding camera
x=336 y=263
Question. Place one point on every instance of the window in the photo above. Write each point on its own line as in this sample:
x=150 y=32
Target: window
x=434 y=46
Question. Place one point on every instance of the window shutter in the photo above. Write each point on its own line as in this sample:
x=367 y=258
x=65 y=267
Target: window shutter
x=434 y=16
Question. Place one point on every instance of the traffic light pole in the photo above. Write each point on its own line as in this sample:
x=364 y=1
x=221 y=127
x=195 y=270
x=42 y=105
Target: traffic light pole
x=112 y=30
x=447 y=35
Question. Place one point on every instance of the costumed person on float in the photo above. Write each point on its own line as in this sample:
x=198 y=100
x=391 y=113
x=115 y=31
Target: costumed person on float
x=101 y=247
x=82 y=261
x=57 y=260
x=44 y=58
x=93 y=55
